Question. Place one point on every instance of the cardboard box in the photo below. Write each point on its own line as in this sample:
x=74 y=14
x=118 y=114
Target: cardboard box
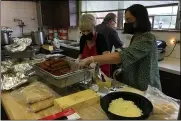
x=47 y=47
x=78 y=100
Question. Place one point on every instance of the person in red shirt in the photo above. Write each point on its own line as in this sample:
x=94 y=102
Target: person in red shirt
x=92 y=43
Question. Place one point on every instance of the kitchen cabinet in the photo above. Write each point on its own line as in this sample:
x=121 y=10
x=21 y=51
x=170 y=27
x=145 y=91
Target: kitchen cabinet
x=170 y=84
x=47 y=12
x=58 y=14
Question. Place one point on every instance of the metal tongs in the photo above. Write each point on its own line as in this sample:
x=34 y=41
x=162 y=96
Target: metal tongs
x=97 y=72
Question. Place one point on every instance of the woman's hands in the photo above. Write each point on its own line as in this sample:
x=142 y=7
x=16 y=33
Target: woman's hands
x=77 y=60
x=85 y=62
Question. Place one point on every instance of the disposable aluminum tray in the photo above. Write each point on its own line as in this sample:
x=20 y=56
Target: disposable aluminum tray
x=75 y=76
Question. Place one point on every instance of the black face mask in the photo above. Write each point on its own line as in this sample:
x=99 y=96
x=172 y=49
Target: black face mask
x=129 y=28
x=88 y=36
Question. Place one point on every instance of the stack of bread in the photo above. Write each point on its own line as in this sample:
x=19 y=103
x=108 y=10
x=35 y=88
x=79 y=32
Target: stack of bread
x=38 y=96
x=55 y=66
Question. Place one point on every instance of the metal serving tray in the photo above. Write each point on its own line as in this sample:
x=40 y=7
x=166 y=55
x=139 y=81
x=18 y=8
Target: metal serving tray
x=75 y=76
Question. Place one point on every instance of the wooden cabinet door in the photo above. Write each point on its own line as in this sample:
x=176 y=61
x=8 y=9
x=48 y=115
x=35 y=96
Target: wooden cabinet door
x=59 y=14
x=170 y=84
x=47 y=13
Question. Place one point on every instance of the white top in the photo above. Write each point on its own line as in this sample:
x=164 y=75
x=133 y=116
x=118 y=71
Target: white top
x=171 y=65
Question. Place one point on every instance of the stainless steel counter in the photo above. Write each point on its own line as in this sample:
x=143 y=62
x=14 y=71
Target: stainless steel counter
x=69 y=44
x=70 y=47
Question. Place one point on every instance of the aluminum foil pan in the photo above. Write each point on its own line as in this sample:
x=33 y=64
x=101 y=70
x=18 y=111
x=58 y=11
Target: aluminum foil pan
x=39 y=56
x=26 y=41
x=32 y=62
x=54 y=55
x=18 y=45
x=6 y=65
x=22 y=67
x=15 y=47
x=10 y=81
x=6 y=29
x=3 y=69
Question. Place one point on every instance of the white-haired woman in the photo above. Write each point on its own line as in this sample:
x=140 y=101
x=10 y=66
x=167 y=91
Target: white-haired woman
x=91 y=42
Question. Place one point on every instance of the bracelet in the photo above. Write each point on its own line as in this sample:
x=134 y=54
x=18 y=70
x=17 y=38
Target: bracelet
x=92 y=59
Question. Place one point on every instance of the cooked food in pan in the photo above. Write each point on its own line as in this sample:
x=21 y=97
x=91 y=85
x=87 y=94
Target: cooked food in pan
x=55 y=66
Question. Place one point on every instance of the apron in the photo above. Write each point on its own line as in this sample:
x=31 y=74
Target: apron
x=87 y=52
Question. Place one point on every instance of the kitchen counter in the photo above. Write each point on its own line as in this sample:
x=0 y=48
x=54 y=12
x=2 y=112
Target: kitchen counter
x=69 y=44
x=171 y=65
x=71 y=47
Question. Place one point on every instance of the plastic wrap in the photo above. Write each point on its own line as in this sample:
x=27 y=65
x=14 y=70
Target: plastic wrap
x=35 y=92
x=36 y=96
x=38 y=106
x=165 y=108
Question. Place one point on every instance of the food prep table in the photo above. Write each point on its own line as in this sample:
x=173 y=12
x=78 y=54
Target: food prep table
x=18 y=111
x=15 y=110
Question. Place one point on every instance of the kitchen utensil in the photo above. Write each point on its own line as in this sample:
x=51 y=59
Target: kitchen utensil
x=38 y=37
x=117 y=75
x=100 y=79
x=5 y=38
x=143 y=103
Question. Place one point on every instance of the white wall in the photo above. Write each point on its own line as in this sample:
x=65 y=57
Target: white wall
x=166 y=36
x=73 y=33
x=24 y=10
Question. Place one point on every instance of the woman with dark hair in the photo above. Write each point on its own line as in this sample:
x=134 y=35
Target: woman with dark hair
x=139 y=61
